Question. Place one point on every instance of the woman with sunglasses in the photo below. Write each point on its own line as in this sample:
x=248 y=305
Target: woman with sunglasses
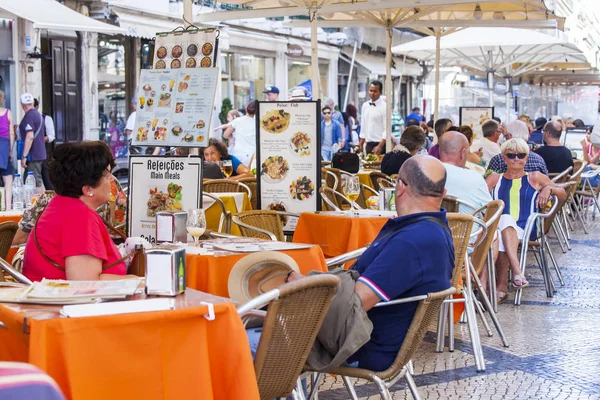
x=523 y=193
x=331 y=134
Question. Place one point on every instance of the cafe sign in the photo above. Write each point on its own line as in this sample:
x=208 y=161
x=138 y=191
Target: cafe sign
x=294 y=50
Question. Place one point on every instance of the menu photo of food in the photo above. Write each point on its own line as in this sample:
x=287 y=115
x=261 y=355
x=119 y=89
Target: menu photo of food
x=164 y=100
x=275 y=121
x=279 y=206
x=302 y=188
x=169 y=200
x=274 y=169
x=300 y=144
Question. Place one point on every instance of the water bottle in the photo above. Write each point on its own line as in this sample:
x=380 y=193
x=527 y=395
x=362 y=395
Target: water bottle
x=18 y=195
x=29 y=189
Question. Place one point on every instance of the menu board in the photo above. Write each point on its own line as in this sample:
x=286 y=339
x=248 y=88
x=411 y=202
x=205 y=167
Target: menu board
x=474 y=117
x=158 y=183
x=288 y=157
x=175 y=107
x=186 y=49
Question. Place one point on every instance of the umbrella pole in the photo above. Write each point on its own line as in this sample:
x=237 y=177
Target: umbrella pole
x=314 y=55
x=507 y=100
x=438 y=39
x=188 y=16
x=350 y=75
x=388 y=89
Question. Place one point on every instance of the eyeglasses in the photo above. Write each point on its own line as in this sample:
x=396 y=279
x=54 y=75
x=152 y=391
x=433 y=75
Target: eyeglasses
x=512 y=156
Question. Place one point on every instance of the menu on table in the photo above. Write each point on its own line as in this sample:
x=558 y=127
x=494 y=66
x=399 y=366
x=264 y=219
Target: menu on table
x=175 y=107
x=474 y=117
x=186 y=49
x=159 y=183
x=288 y=157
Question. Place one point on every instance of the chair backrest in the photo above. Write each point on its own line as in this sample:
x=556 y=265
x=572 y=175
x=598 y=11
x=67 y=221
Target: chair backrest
x=289 y=331
x=492 y=210
x=549 y=220
x=375 y=175
x=561 y=177
x=251 y=183
x=262 y=219
x=460 y=225
x=8 y=230
x=225 y=186
x=578 y=165
x=332 y=200
x=337 y=185
x=427 y=311
x=450 y=204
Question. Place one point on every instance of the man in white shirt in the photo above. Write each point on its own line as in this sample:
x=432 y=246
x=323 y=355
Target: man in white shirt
x=131 y=120
x=372 y=121
x=489 y=142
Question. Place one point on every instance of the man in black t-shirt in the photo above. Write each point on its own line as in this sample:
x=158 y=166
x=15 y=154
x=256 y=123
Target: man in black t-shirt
x=557 y=157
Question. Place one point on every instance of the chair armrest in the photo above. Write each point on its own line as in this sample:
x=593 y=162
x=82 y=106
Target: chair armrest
x=344 y=258
x=247 y=189
x=445 y=293
x=557 y=177
x=479 y=233
x=270 y=235
x=369 y=189
x=225 y=214
x=19 y=277
x=258 y=302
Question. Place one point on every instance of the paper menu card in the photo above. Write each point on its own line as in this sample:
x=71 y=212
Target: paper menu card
x=64 y=289
x=175 y=107
x=190 y=49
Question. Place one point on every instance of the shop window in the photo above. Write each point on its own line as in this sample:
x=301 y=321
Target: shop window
x=248 y=76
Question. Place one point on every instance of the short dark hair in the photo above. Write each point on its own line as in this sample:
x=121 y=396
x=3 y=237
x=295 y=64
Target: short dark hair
x=430 y=123
x=416 y=109
x=489 y=127
x=440 y=125
x=251 y=108
x=412 y=122
x=36 y=103
x=220 y=146
x=413 y=138
x=378 y=84
x=554 y=129
x=497 y=119
x=453 y=128
x=420 y=183
x=578 y=123
x=325 y=108
x=78 y=164
x=467 y=131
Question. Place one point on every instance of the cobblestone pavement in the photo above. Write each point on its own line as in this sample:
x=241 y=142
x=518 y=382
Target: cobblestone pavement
x=554 y=343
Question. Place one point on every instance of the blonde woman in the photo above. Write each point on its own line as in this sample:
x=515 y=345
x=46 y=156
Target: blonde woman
x=7 y=138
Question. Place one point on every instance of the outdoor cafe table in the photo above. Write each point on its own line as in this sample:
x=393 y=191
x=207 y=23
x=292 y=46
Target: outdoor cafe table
x=175 y=354
x=338 y=233
x=210 y=273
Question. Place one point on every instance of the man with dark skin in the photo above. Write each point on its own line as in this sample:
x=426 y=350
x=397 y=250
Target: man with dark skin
x=372 y=121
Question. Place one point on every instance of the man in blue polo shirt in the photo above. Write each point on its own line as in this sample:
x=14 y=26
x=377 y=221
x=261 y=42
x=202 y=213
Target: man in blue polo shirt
x=412 y=255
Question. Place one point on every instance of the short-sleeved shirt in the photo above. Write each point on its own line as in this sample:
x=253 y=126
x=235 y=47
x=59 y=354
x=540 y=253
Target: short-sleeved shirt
x=31 y=123
x=235 y=163
x=245 y=138
x=534 y=163
x=68 y=228
x=557 y=158
x=416 y=260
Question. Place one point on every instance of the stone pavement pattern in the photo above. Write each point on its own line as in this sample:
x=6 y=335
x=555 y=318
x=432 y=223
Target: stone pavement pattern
x=554 y=348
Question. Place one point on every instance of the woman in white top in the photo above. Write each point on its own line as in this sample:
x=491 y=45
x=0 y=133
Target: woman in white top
x=243 y=131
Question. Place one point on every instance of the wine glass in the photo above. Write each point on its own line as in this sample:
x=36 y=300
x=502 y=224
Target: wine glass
x=352 y=191
x=227 y=168
x=196 y=224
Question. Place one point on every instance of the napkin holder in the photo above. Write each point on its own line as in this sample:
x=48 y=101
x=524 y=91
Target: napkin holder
x=165 y=271
x=170 y=227
x=387 y=199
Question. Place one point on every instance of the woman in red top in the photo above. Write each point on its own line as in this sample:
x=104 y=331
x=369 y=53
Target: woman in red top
x=69 y=232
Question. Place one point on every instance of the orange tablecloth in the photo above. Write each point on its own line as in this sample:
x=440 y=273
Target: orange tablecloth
x=337 y=234
x=210 y=274
x=14 y=218
x=175 y=354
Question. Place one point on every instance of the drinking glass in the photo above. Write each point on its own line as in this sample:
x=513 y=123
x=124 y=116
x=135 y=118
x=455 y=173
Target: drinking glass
x=196 y=224
x=227 y=168
x=352 y=191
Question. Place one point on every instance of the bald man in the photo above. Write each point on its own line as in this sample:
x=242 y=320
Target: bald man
x=462 y=183
x=412 y=255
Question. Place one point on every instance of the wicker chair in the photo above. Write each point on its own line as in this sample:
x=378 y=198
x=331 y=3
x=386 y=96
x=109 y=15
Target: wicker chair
x=333 y=200
x=294 y=316
x=375 y=175
x=264 y=224
x=8 y=230
x=251 y=183
x=426 y=312
x=225 y=186
x=335 y=184
x=365 y=193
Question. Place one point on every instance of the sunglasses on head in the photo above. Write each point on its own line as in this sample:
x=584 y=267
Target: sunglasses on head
x=326 y=112
x=512 y=156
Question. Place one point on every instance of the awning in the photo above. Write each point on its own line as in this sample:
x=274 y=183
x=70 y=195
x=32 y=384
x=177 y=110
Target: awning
x=50 y=14
x=376 y=64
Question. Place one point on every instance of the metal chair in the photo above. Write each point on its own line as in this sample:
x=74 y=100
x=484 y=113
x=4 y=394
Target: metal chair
x=588 y=194
x=251 y=183
x=261 y=223
x=294 y=316
x=5 y=267
x=427 y=309
x=539 y=247
x=225 y=186
x=225 y=220
x=333 y=200
x=375 y=176
x=337 y=183
x=365 y=193
x=573 y=205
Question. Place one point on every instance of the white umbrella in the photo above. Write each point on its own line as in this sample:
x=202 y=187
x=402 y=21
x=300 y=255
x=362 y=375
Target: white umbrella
x=504 y=52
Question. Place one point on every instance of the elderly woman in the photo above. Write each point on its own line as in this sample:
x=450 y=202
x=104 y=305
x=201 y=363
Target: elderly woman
x=523 y=193
x=217 y=151
x=69 y=240
x=411 y=141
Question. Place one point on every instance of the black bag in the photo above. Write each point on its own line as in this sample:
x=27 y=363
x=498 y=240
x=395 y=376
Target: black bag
x=346 y=161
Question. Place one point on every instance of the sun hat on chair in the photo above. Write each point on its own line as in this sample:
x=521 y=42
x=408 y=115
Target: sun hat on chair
x=258 y=273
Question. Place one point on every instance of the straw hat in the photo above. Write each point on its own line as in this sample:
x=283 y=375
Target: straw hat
x=258 y=273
